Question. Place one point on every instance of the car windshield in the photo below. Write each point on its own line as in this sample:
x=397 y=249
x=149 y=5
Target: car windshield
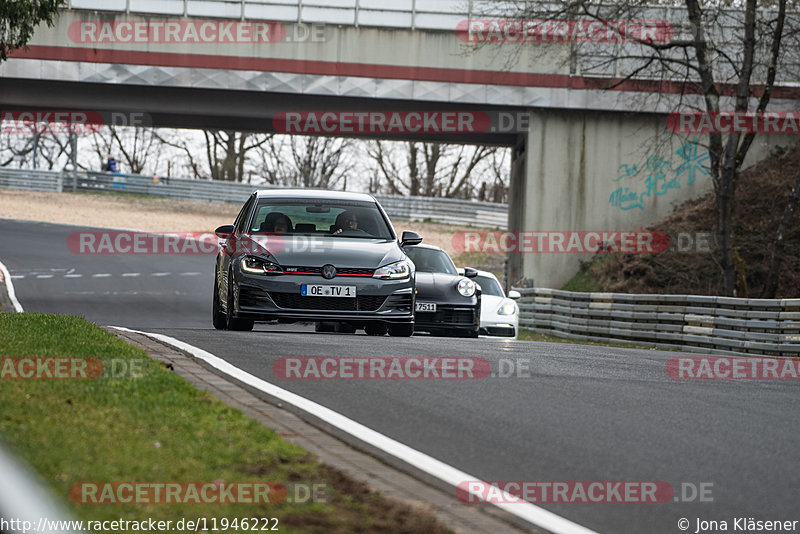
x=331 y=218
x=489 y=286
x=431 y=260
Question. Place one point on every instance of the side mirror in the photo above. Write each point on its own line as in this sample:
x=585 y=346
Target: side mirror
x=224 y=231
x=514 y=294
x=410 y=238
x=469 y=272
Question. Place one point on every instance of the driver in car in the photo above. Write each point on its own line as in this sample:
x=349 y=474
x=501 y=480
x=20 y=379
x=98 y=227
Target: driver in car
x=347 y=220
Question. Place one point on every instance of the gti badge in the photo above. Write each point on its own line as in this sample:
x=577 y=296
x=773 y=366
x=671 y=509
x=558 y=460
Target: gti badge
x=328 y=271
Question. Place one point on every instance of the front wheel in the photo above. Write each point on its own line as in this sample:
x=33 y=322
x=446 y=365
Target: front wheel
x=218 y=317
x=235 y=323
x=401 y=330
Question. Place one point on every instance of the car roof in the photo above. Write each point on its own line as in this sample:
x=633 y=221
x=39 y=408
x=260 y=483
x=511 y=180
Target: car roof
x=313 y=194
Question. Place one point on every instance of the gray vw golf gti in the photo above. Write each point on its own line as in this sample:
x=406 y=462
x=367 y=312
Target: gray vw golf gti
x=325 y=256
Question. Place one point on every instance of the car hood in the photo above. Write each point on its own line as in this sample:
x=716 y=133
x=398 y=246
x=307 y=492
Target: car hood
x=308 y=251
x=439 y=286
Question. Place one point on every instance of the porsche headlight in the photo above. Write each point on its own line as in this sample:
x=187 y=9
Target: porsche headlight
x=253 y=265
x=394 y=271
x=466 y=287
x=508 y=307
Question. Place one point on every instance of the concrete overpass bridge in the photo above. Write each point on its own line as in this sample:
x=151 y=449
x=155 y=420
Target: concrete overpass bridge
x=581 y=158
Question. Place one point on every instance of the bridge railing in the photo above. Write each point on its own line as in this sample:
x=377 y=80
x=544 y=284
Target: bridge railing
x=423 y=14
x=718 y=325
x=441 y=210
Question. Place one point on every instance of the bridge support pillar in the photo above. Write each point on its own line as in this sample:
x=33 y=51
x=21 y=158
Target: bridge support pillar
x=580 y=170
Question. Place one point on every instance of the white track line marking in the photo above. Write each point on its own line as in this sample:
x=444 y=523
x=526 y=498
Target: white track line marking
x=44 y=276
x=17 y=276
x=450 y=475
x=101 y=275
x=10 y=289
x=191 y=274
x=160 y=274
x=73 y=275
x=130 y=274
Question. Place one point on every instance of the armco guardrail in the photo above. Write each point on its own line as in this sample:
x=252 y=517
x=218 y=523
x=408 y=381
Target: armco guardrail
x=722 y=325
x=441 y=210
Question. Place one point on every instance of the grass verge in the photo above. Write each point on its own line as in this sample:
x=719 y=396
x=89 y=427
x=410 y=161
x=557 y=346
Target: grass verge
x=153 y=426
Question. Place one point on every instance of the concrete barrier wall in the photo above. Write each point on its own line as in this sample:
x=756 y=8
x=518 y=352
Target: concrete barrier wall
x=718 y=325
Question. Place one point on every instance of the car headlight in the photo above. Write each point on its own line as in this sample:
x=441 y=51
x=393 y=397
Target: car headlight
x=466 y=287
x=253 y=265
x=508 y=307
x=394 y=271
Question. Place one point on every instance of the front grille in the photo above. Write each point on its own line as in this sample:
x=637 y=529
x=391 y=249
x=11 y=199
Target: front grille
x=297 y=301
x=460 y=317
x=343 y=271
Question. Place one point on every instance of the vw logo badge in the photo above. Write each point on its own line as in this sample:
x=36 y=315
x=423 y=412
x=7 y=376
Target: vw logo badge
x=328 y=271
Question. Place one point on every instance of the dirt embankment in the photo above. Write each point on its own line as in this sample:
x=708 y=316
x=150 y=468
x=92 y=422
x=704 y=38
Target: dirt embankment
x=761 y=196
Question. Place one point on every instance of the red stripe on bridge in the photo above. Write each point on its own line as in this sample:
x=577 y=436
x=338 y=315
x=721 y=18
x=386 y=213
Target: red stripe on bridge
x=371 y=70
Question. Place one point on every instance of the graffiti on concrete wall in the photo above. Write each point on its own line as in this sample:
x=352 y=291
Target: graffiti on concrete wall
x=658 y=176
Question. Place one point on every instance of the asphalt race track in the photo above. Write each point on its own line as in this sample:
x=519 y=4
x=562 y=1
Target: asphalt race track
x=584 y=413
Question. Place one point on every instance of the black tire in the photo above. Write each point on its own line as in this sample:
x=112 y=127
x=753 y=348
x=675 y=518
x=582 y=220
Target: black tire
x=401 y=330
x=235 y=323
x=345 y=328
x=217 y=317
x=324 y=326
x=376 y=329
x=472 y=333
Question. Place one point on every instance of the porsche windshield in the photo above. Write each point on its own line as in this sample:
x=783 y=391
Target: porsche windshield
x=340 y=219
x=431 y=260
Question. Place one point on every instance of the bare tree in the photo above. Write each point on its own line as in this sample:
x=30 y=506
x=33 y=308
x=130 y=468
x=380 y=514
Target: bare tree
x=138 y=147
x=301 y=161
x=429 y=169
x=227 y=151
x=728 y=53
